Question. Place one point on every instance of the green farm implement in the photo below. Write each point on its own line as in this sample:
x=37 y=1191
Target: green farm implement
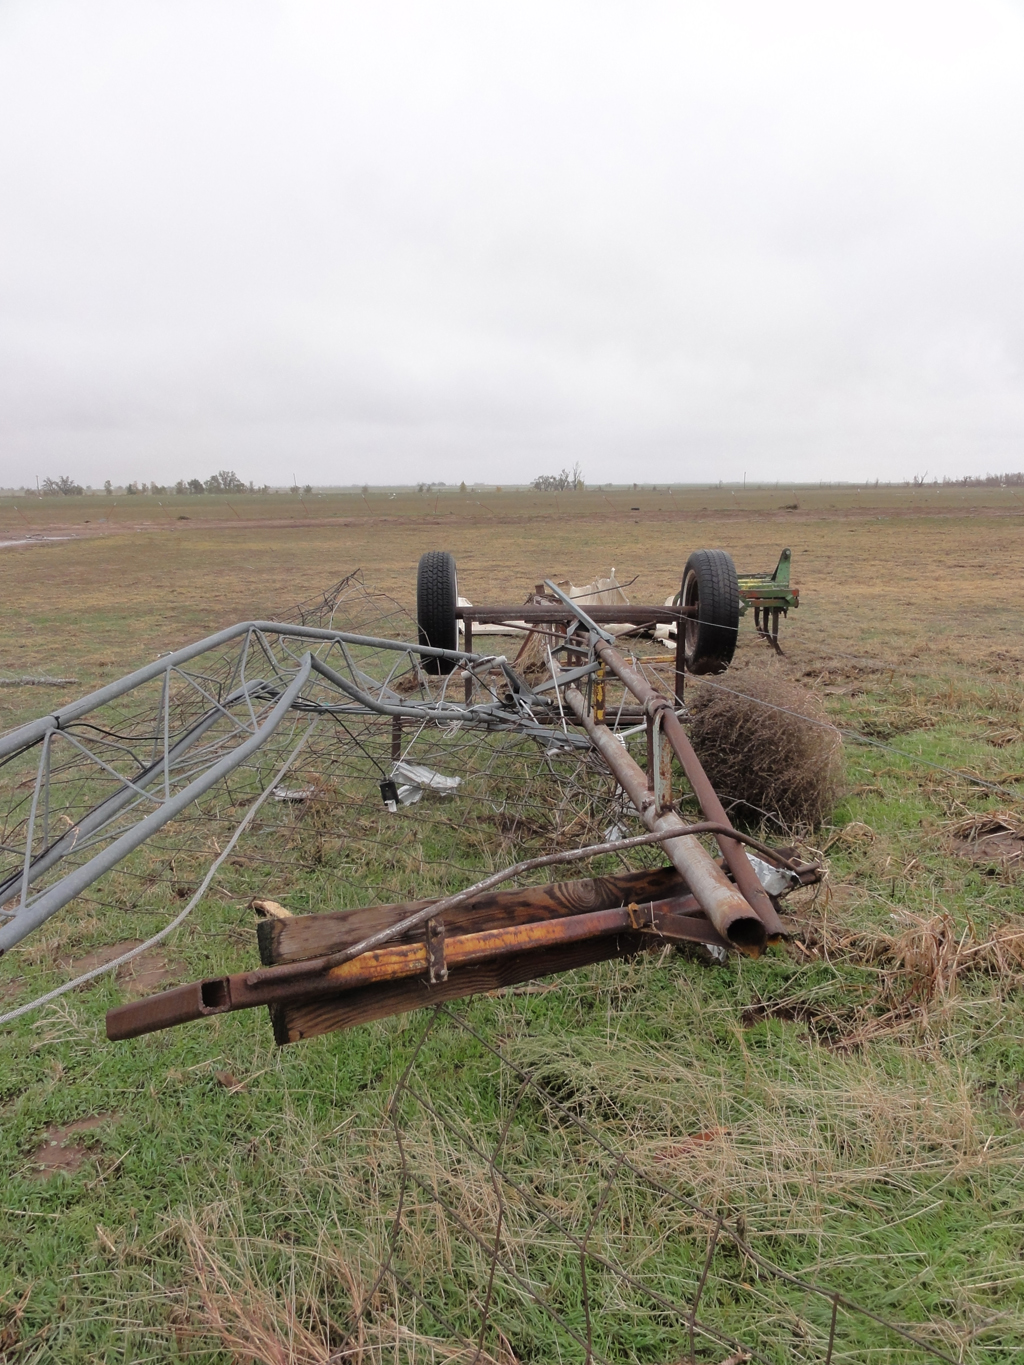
x=771 y=597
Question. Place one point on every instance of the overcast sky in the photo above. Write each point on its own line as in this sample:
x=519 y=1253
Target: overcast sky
x=398 y=242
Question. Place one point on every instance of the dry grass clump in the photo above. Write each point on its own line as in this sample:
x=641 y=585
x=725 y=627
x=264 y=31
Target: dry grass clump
x=920 y=968
x=767 y=747
x=931 y=955
x=302 y=1306
x=995 y=838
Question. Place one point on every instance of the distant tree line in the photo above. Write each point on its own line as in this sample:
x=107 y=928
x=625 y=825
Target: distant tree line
x=224 y=481
x=62 y=487
x=987 y=481
x=227 y=481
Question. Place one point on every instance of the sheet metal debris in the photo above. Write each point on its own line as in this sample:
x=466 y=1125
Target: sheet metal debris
x=417 y=779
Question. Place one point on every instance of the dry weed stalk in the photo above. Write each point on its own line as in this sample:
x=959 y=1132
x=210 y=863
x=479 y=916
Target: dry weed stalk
x=284 y=1319
x=929 y=956
x=921 y=968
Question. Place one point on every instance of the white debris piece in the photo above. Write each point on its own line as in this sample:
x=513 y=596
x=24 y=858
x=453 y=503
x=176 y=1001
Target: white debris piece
x=777 y=881
x=292 y=793
x=664 y=632
x=417 y=779
x=460 y=625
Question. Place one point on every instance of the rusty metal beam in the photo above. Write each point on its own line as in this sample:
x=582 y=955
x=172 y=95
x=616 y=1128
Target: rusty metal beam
x=247 y=990
x=533 y=614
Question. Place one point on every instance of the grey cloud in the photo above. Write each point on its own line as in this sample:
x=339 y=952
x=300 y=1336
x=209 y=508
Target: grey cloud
x=460 y=241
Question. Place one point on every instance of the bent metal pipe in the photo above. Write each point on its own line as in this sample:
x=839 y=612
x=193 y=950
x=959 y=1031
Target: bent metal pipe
x=727 y=909
x=711 y=806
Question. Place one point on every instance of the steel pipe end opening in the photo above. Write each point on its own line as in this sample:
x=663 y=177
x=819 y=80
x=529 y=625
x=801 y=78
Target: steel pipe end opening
x=749 y=935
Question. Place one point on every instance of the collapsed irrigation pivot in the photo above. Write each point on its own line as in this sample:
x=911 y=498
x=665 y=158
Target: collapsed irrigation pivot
x=99 y=778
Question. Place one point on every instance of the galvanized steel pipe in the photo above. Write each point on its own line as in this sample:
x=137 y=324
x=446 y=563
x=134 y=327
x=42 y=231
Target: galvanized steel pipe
x=30 y=916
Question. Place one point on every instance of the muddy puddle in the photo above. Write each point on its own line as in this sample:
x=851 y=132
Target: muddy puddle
x=143 y=975
x=59 y=1152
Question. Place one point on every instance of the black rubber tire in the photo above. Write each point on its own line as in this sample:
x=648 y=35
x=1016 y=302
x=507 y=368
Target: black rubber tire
x=437 y=596
x=709 y=583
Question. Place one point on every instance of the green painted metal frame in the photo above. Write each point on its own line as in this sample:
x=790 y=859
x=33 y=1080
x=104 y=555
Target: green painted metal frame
x=769 y=591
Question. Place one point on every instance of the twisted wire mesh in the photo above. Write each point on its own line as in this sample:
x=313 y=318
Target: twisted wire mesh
x=324 y=836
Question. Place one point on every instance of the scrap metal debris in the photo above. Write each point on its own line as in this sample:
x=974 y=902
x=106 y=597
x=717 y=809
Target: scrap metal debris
x=145 y=749
x=417 y=779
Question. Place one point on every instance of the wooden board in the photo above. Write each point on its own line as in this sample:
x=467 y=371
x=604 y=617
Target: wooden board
x=293 y=1022
x=304 y=936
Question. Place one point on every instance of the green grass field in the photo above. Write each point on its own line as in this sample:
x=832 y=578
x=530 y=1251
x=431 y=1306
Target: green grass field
x=855 y=1098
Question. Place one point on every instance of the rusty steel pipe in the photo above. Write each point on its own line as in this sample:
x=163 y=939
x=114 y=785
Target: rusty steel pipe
x=551 y=612
x=712 y=808
x=728 y=910
x=248 y=990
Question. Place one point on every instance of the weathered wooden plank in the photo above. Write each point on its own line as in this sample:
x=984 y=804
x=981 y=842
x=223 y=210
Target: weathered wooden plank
x=304 y=936
x=294 y=1022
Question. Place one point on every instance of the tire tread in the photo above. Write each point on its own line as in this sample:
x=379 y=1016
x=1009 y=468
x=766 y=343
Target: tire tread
x=718 y=591
x=436 y=600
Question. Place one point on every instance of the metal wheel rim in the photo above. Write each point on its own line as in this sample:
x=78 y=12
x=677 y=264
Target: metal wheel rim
x=691 y=624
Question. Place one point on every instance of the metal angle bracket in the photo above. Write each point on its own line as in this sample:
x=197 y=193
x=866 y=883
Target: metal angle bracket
x=437 y=967
x=659 y=762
